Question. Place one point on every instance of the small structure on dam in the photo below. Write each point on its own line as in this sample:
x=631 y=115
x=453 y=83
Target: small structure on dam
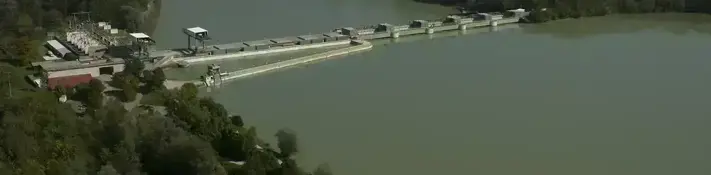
x=197 y=34
x=213 y=76
x=142 y=42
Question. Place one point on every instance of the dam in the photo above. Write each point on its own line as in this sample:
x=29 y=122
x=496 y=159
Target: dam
x=198 y=52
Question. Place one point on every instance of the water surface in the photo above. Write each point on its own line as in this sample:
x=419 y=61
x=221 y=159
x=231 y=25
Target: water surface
x=622 y=95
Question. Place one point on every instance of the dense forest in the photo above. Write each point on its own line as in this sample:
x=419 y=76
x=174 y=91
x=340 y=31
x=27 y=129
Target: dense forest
x=546 y=10
x=95 y=133
x=183 y=134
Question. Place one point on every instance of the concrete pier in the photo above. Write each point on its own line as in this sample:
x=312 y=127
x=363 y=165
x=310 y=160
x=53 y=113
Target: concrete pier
x=340 y=36
x=197 y=60
x=337 y=36
x=494 y=23
x=394 y=34
x=357 y=47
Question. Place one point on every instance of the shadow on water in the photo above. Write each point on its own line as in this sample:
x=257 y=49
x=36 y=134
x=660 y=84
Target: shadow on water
x=677 y=23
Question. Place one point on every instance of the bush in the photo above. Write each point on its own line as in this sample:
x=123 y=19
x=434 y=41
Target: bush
x=95 y=99
x=96 y=85
x=129 y=94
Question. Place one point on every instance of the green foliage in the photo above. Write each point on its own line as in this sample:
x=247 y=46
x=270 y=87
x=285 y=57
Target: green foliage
x=237 y=120
x=188 y=91
x=97 y=85
x=38 y=135
x=560 y=9
x=158 y=79
x=128 y=93
x=107 y=170
x=128 y=83
x=95 y=99
x=203 y=117
x=134 y=67
x=154 y=80
x=287 y=142
x=25 y=50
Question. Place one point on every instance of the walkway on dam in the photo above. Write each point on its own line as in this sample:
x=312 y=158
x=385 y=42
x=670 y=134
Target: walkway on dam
x=356 y=47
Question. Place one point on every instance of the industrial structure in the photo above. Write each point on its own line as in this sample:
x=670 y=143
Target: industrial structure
x=213 y=76
x=199 y=35
x=200 y=52
x=91 y=41
x=79 y=55
x=71 y=73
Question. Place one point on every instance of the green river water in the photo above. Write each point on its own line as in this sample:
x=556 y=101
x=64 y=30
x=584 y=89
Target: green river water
x=619 y=95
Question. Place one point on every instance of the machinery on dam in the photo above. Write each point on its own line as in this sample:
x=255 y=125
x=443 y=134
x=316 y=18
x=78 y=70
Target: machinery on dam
x=197 y=50
x=213 y=77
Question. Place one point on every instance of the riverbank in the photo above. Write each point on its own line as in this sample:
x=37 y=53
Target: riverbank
x=543 y=10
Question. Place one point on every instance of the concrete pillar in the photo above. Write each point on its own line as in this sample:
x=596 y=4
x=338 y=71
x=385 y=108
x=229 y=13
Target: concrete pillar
x=429 y=30
x=462 y=27
x=395 y=34
x=494 y=23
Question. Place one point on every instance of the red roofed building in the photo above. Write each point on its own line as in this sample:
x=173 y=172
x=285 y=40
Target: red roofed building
x=68 y=81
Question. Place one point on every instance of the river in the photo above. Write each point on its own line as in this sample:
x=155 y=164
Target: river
x=620 y=95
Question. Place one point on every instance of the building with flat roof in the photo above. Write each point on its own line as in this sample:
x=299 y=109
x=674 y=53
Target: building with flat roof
x=197 y=30
x=333 y=36
x=94 y=67
x=70 y=73
x=198 y=34
x=310 y=39
x=57 y=48
x=259 y=44
x=287 y=41
x=68 y=81
x=384 y=27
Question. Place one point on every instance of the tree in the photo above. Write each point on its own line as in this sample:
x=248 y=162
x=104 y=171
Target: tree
x=95 y=99
x=134 y=67
x=107 y=170
x=26 y=50
x=159 y=75
x=286 y=142
x=237 y=121
x=53 y=19
x=188 y=91
x=157 y=79
x=129 y=92
x=147 y=76
x=97 y=85
x=128 y=83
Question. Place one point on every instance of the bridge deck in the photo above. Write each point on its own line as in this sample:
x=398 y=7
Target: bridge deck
x=379 y=31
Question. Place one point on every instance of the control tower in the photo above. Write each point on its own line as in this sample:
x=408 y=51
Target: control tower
x=199 y=35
